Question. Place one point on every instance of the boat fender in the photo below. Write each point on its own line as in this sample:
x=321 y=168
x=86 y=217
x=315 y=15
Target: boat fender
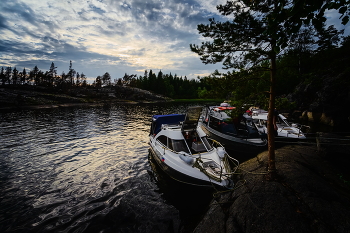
x=221 y=152
x=186 y=159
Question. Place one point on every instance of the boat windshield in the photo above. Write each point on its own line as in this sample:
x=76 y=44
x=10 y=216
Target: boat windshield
x=282 y=122
x=178 y=145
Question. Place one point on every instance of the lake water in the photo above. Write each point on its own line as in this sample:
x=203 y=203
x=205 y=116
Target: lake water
x=88 y=170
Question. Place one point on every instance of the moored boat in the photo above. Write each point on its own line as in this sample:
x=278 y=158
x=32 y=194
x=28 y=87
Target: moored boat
x=184 y=151
x=237 y=134
x=285 y=130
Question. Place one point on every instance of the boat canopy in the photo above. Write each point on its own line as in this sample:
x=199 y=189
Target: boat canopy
x=159 y=120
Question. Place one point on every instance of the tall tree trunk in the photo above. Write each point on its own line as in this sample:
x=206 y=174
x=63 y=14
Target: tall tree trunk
x=272 y=172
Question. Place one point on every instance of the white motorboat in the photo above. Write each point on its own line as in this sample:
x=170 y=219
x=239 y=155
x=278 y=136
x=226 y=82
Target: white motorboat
x=184 y=151
x=238 y=134
x=284 y=128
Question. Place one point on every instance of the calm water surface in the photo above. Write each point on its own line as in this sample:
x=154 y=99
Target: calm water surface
x=86 y=170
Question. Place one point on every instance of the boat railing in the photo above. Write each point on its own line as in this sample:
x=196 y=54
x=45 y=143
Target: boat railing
x=192 y=155
x=226 y=159
x=217 y=144
x=302 y=129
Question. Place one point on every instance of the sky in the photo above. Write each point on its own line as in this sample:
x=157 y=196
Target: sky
x=114 y=36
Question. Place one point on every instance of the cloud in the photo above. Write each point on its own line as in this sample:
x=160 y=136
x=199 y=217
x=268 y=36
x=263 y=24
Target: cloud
x=133 y=35
x=127 y=36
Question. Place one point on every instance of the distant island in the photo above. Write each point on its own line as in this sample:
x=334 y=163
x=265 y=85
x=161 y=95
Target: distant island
x=28 y=96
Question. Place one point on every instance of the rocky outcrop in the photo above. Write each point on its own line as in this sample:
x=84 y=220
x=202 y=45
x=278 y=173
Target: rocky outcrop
x=24 y=96
x=309 y=196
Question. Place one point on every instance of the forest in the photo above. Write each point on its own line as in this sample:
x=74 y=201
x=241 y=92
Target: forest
x=306 y=64
x=168 y=85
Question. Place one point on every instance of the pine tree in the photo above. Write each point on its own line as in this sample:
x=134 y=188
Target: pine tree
x=71 y=74
x=8 y=75
x=23 y=76
x=15 y=76
x=106 y=79
x=34 y=75
x=258 y=32
x=52 y=74
x=2 y=76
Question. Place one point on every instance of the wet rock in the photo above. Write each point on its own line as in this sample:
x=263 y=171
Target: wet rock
x=309 y=196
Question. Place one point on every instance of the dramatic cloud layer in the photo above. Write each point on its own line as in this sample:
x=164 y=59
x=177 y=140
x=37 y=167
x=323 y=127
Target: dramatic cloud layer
x=105 y=35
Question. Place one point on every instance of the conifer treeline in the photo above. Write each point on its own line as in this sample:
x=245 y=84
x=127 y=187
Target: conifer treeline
x=37 y=77
x=165 y=84
x=299 y=66
x=169 y=85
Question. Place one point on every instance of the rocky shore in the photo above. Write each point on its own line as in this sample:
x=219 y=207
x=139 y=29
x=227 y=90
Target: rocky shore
x=29 y=97
x=310 y=195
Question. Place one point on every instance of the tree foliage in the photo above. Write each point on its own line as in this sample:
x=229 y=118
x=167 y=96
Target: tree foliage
x=169 y=85
x=260 y=31
x=106 y=79
x=38 y=77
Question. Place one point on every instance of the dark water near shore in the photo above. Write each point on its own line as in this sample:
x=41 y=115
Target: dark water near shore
x=88 y=170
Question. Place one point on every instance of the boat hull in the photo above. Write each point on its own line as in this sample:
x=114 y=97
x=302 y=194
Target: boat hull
x=242 y=145
x=181 y=177
x=282 y=141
